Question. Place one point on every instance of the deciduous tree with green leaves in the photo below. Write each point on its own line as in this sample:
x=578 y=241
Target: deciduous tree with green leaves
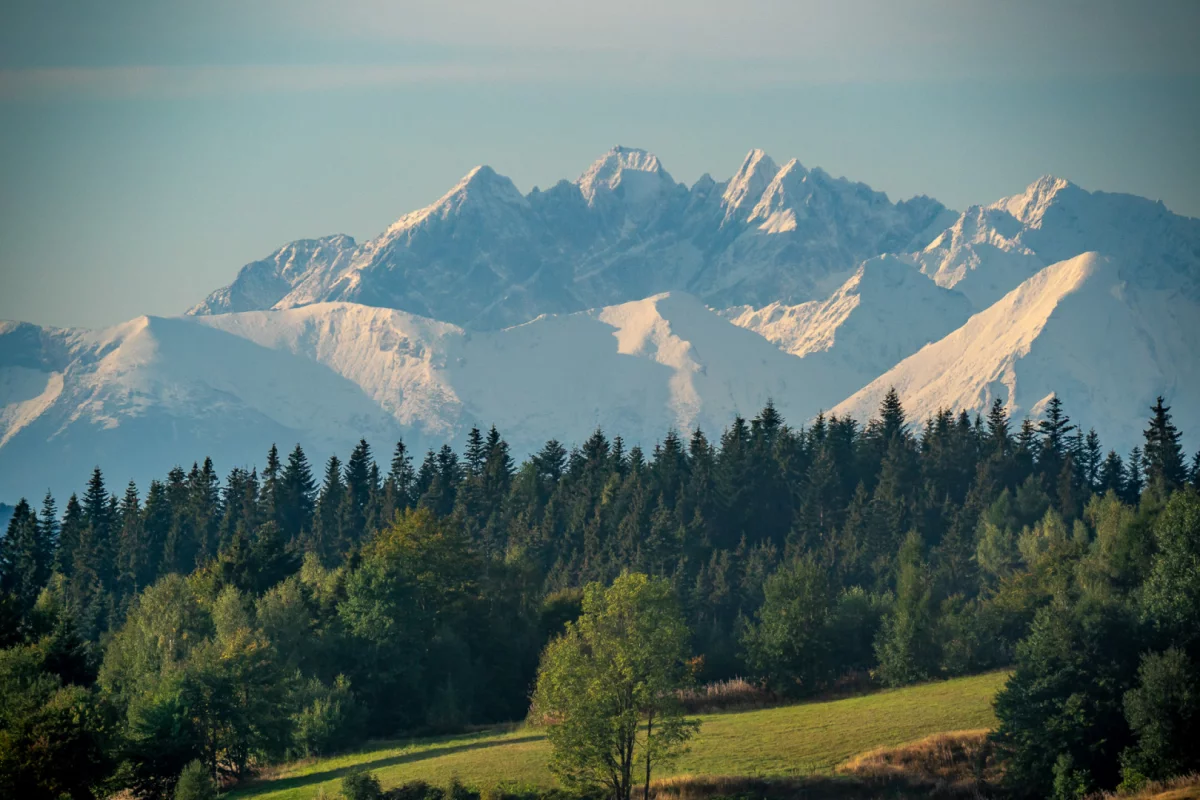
x=607 y=689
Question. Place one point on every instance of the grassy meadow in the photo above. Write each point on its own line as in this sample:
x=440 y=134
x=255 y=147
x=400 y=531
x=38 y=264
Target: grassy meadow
x=788 y=741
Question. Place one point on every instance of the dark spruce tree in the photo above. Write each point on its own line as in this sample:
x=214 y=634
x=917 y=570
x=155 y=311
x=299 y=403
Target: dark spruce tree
x=1091 y=459
x=327 y=538
x=360 y=488
x=398 y=487
x=25 y=557
x=1112 y=475
x=70 y=534
x=1163 y=454
x=296 y=496
x=1133 y=477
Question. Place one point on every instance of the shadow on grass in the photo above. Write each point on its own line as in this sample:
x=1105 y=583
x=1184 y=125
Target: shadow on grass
x=313 y=778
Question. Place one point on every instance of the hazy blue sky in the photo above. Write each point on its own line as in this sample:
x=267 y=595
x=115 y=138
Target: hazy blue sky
x=149 y=148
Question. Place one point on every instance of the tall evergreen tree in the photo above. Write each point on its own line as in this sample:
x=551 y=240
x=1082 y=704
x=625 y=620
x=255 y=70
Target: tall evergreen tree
x=70 y=534
x=204 y=507
x=440 y=496
x=327 y=531
x=1027 y=450
x=473 y=456
x=297 y=495
x=359 y=489
x=270 y=495
x=239 y=503
x=1054 y=429
x=1133 y=476
x=179 y=547
x=48 y=519
x=397 y=492
x=24 y=557
x=1163 y=455
x=132 y=572
x=95 y=504
x=551 y=461
x=157 y=515
x=1091 y=458
x=892 y=419
x=96 y=550
x=998 y=436
x=1112 y=475
x=425 y=476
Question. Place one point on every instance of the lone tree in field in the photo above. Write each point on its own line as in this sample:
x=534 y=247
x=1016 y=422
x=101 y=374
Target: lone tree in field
x=607 y=689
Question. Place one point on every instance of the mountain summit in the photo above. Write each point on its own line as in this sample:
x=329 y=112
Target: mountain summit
x=636 y=174
x=485 y=256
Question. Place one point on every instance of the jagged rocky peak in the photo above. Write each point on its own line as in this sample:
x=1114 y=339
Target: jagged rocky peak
x=1030 y=206
x=630 y=172
x=481 y=188
x=749 y=182
x=482 y=183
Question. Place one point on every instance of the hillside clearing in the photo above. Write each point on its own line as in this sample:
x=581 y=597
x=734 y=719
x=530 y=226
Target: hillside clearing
x=811 y=738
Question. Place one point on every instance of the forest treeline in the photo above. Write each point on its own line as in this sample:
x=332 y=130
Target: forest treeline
x=295 y=610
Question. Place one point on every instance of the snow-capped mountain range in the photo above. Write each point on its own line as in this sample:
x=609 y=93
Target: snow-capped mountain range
x=485 y=256
x=632 y=302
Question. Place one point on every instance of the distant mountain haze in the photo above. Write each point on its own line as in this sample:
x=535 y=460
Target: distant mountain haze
x=628 y=301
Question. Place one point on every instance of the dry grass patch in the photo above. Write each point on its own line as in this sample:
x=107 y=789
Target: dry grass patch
x=953 y=765
x=734 y=694
x=1185 y=787
x=954 y=759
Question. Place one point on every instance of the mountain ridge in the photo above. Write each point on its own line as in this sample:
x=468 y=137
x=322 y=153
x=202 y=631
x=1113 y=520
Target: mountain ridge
x=487 y=257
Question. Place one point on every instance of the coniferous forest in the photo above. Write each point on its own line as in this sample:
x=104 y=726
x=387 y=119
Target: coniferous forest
x=297 y=609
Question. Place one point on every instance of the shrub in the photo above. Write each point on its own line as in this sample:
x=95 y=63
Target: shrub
x=329 y=719
x=361 y=786
x=195 y=783
x=458 y=791
x=1069 y=783
x=416 y=790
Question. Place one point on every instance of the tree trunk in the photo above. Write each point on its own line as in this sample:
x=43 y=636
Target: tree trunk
x=649 y=732
x=627 y=767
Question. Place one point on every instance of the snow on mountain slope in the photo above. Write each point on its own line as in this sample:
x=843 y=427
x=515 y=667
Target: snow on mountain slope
x=636 y=369
x=748 y=184
x=991 y=249
x=396 y=359
x=486 y=257
x=979 y=256
x=451 y=260
x=1077 y=328
x=885 y=312
x=307 y=267
x=140 y=396
x=629 y=176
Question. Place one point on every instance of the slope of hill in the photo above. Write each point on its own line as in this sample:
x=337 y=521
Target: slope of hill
x=800 y=740
x=1078 y=328
x=138 y=397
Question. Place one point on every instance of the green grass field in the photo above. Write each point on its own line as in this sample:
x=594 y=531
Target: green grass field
x=776 y=742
